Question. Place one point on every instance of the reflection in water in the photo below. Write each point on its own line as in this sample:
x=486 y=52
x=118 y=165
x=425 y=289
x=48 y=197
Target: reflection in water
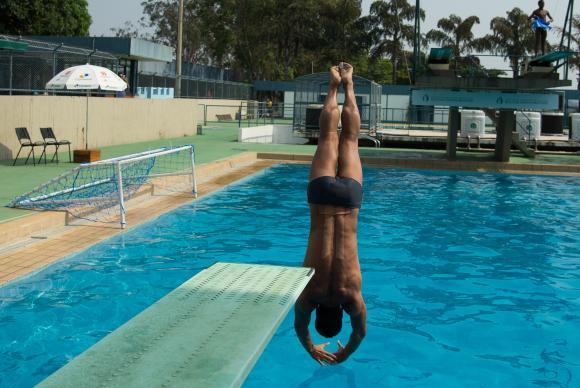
x=344 y=375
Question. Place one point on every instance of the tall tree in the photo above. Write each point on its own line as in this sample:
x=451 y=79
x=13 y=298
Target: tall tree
x=45 y=17
x=574 y=40
x=130 y=30
x=162 y=17
x=511 y=37
x=267 y=39
x=454 y=32
x=391 y=28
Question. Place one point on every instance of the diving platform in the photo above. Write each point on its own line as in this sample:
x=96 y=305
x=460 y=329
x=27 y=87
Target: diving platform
x=499 y=97
x=538 y=74
x=209 y=332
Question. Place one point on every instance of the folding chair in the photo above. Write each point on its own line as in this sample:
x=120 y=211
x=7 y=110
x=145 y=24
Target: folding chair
x=25 y=141
x=50 y=139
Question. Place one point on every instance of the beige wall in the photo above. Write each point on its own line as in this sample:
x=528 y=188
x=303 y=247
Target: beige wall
x=111 y=121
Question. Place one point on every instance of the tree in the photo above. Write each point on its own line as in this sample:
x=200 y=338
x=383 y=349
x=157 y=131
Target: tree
x=574 y=40
x=511 y=37
x=266 y=39
x=390 y=28
x=162 y=16
x=45 y=17
x=454 y=32
x=129 y=30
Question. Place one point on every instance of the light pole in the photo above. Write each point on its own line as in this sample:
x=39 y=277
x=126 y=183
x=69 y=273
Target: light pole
x=178 y=58
x=417 y=39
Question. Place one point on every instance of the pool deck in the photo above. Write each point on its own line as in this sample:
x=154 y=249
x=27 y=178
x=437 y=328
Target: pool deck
x=48 y=237
x=30 y=241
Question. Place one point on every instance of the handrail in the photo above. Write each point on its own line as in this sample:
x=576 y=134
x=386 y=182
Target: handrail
x=376 y=141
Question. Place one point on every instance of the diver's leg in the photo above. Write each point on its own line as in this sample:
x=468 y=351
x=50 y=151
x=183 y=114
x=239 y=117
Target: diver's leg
x=325 y=158
x=349 y=165
x=544 y=35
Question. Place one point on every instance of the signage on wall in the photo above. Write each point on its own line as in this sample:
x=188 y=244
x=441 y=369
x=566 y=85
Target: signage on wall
x=485 y=99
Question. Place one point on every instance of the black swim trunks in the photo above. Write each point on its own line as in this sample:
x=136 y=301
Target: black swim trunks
x=335 y=191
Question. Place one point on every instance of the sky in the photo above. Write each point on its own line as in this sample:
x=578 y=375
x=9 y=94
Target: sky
x=109 y=14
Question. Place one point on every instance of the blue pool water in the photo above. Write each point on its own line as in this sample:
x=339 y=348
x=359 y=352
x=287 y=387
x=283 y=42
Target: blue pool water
x=469 y=280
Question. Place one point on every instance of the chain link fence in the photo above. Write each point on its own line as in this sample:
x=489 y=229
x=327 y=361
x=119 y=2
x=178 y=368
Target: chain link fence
x=28 y=71
x=198 y=88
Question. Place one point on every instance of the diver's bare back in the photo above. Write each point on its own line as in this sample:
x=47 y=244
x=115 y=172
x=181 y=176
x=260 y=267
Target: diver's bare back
x=332 y=252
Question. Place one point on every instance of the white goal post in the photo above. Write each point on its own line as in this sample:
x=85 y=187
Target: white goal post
x=93 y=190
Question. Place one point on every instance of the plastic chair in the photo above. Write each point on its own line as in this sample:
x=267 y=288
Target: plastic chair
x=25 y=141
x=50 y=139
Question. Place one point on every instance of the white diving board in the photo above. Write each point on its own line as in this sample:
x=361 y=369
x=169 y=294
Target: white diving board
x=209 y=332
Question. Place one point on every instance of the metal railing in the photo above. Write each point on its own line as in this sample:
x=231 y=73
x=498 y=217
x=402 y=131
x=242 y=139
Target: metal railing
x=198 y=88
x=28 y=71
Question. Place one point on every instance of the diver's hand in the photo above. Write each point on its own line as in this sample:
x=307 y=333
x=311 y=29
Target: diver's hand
x=341 y=354
x=322 y=356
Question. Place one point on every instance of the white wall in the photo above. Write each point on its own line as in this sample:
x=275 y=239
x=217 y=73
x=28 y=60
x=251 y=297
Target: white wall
x=269 y=134
x=288 y=105
x=111 y=121
x=398 y=106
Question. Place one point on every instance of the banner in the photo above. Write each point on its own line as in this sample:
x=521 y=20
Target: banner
x=485 y=99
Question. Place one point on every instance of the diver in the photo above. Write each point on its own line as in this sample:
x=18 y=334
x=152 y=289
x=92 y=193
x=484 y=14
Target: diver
x=335 y=196
x=541 y=25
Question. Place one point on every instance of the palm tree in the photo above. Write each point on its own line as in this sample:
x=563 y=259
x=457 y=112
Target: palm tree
x=391 y=28
x=454 y=32
x=511 y=37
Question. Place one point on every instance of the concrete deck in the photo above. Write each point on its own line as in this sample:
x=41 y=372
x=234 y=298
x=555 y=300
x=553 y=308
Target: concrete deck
x=399 y=135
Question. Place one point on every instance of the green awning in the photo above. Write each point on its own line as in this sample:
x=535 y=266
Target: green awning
x=438 y=53
x=12 y=45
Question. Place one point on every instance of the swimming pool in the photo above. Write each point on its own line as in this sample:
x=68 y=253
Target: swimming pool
x=469 y=279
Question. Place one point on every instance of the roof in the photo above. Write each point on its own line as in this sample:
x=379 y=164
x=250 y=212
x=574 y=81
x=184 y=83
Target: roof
x=323 y=78
x=124 y=48
x=6 y=44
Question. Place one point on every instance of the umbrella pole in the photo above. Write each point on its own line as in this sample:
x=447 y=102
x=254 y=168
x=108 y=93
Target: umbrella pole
x=87 y=123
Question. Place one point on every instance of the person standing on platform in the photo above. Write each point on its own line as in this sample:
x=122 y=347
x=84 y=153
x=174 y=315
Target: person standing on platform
x=541 y=24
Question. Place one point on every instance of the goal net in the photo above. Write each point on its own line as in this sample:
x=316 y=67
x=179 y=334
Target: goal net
x=99 y=191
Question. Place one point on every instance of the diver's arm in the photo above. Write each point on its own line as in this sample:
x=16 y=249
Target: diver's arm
x=550 y=16
x=358 y=319
x=302 y=311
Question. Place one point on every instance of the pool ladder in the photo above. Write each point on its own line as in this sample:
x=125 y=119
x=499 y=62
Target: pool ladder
x=376 y=141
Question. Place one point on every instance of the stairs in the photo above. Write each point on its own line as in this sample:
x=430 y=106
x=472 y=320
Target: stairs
x=522 y=146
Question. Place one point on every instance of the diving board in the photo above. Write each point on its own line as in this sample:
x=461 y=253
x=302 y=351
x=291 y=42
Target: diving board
x=553 y=56
x=209 y=332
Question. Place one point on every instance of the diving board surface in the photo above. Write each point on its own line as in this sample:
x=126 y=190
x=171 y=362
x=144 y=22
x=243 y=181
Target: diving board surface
x=209 y=332
x=553 y=56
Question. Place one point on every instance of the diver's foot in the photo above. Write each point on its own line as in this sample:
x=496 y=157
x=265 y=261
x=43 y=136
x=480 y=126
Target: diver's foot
x=346 y=73
x=335 y=77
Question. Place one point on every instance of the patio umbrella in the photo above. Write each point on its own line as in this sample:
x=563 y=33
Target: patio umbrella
x=87 y=77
